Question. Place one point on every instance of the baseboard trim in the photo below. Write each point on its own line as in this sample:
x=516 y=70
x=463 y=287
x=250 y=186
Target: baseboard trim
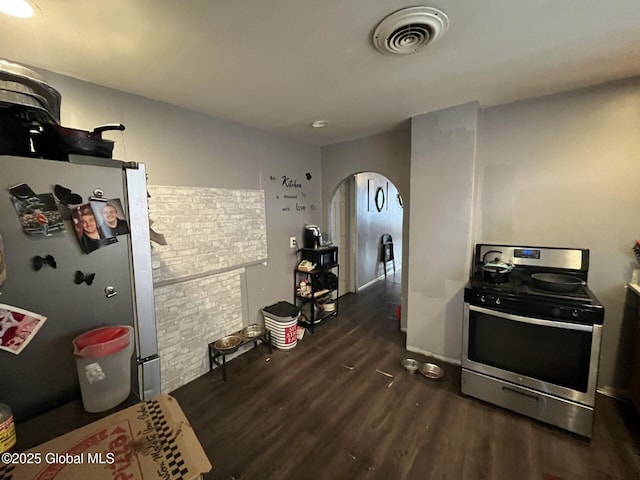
x=616 y=393
x=368 y=284
x=453 y=361
x=377 y=279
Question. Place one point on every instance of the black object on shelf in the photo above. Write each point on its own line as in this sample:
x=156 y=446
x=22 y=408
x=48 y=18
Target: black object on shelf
x=321 y=257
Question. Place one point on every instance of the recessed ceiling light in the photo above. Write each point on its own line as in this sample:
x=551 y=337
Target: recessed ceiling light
x=17 y=8
x=319 y=124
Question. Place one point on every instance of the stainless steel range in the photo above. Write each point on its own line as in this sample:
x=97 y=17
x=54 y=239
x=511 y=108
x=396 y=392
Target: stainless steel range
x=532 y=332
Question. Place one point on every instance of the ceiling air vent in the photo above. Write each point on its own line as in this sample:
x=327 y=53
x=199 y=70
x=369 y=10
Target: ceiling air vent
x=410 y=30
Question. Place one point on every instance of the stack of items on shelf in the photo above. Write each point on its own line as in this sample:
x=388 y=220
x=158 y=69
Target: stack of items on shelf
x=316 y=293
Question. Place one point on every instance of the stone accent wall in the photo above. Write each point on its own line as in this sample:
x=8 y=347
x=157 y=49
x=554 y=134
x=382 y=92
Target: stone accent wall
x=189 y=316
x=212 y=234
x=207 y=229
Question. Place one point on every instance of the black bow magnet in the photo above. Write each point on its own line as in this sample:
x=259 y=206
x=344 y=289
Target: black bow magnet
x=66 y=196
x=83 y=278
x=39 y=262
x=22 y=191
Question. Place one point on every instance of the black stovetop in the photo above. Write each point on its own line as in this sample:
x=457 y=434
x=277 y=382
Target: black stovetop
x=582 y=295
x=521 y=297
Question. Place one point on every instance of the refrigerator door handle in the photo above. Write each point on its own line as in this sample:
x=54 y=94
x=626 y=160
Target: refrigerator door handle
x=142 y=275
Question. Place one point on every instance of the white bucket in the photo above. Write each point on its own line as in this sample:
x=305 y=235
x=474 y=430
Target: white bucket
x=284 y=334
x=103 y=361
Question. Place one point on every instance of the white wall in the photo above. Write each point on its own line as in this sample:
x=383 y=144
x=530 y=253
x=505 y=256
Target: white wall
x=564 y=170
x=443 y=146
x=560 y=170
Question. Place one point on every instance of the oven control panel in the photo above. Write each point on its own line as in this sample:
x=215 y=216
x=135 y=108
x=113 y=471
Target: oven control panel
x=533 y=253
x=486 y=299
x=483 y=299
x=575 y=259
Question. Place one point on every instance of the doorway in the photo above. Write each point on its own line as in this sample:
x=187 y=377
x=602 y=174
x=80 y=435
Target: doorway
x=363 y=207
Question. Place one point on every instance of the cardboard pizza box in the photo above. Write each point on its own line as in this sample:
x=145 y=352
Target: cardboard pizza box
x=149 y=440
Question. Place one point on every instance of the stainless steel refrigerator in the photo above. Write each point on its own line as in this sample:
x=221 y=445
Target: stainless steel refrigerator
x=43 y=375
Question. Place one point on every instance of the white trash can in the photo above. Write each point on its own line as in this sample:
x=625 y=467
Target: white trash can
x=282 y=320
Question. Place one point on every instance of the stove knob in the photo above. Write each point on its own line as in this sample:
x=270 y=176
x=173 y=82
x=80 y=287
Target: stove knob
x=574 y=313
x=555 y=311
x=482 y=298
x=497 y=301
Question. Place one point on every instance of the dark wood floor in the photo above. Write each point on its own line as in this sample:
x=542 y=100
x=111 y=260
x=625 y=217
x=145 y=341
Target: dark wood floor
x=323 y=410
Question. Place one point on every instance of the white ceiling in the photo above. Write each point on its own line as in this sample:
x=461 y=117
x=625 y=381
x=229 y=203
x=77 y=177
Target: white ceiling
x=277 y=65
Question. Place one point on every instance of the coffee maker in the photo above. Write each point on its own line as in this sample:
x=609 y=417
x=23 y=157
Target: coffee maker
x=312 y=236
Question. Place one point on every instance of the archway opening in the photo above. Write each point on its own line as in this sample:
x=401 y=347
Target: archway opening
x=364 y=207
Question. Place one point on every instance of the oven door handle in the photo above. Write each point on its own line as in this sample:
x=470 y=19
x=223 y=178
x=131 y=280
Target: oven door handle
x=532 y=321
x=526 y=395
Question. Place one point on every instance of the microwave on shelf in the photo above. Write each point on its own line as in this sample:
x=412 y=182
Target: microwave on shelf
x=321 y=257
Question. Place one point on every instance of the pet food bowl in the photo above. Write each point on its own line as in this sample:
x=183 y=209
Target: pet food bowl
x=431 y=371
x=253 y=331
x=410 y=364
x=228 y=343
